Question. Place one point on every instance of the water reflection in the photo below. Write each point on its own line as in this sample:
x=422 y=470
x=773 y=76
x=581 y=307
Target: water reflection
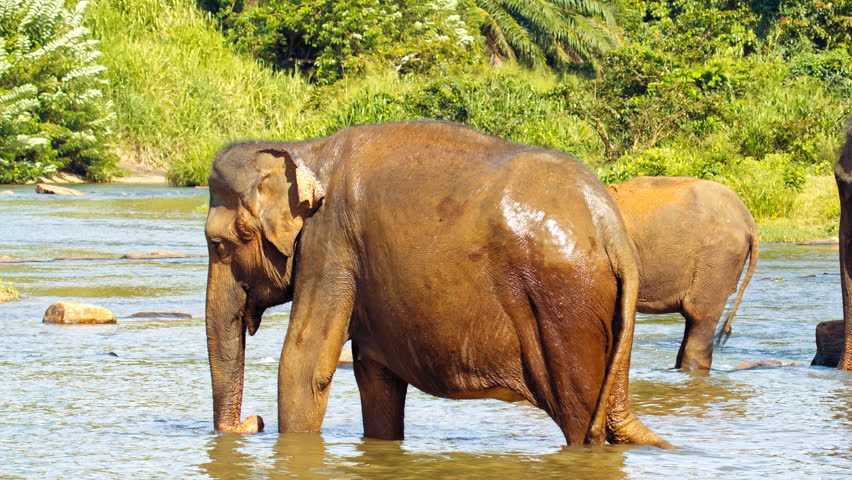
x=145 y=413
x=694 y=394
x=310 y=456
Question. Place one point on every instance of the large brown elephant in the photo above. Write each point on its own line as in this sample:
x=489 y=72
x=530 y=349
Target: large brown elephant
x=692 y=238
x=456 y=262
x=843 y=175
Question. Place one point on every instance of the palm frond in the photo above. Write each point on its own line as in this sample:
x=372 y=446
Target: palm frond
x=558 y=32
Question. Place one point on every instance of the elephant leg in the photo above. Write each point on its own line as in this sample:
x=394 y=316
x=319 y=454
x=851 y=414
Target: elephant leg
x=319 y=324
x=382 y=399
x=565 y=359
x=575 y=384
x=696 y=349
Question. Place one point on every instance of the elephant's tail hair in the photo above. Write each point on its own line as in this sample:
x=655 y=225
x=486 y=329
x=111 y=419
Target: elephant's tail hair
x=725 y=332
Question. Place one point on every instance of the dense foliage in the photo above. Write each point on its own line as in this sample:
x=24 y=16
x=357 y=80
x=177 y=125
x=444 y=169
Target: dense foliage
x=53 y=114
x=752 y=94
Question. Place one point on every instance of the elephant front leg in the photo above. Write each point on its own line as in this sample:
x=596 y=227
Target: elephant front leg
x=318 y=329
x=382 y=399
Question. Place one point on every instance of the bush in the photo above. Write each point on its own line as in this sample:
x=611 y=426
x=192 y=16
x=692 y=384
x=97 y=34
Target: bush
x=834 y=68
x=799 y=117
x=53 y=114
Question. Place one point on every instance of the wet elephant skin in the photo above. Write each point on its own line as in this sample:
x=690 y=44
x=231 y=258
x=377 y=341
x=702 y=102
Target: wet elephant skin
x=456 y=262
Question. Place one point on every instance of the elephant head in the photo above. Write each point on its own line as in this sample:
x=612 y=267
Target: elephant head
x=259 y=200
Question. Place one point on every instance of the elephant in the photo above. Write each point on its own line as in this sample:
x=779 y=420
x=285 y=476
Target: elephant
x=843 y=176
x=454 y=261
x=692 y=238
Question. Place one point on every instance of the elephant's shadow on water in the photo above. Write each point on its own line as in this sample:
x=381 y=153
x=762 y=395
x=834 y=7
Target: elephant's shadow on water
x=308 y=455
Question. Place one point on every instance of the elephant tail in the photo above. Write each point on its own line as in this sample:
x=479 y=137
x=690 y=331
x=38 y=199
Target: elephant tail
x=725 y=332
x=619 y=362
x=613 y=417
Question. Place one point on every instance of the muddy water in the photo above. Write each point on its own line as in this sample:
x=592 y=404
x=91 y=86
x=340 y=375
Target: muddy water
x=132 y=399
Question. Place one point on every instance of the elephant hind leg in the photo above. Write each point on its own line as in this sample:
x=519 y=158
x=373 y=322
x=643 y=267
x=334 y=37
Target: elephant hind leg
x=382 y=399
x=696 y=349
x=565 y=354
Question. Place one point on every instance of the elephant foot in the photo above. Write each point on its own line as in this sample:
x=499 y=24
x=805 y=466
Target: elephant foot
x=252 y=424
x=626 y=428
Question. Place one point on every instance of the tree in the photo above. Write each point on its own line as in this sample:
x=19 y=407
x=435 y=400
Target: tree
x=52 y=111
x=333 y=39
x=547 y=32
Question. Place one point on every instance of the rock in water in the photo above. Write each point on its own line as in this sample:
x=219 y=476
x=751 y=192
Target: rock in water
x=77 y=313
x=152 y=255
x=45 y=188
x=829 y=342
x=762 y=364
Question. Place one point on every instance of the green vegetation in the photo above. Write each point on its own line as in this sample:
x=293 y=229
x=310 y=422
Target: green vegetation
x=755 y=95
x=8 y=292
x=547 y=32
x=53 y=114
x=330 y=39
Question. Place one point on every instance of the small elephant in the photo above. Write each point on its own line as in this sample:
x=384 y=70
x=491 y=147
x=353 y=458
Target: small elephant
x=843 y=176
x=692 y=238
x=454 y=261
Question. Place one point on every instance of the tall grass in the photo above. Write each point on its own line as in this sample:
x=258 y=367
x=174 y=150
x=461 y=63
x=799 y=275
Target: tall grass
x=179 y=90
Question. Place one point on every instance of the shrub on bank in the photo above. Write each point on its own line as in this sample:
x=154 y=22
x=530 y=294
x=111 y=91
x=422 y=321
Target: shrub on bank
x=53 y=114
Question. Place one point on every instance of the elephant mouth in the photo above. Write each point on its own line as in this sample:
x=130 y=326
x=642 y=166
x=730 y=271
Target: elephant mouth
x=252 y=314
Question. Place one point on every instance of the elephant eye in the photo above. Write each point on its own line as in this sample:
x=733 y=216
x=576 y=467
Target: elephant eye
x=219 y=246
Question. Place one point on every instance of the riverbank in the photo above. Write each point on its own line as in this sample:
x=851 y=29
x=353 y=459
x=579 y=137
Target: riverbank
x=136 y=174
x=812 y=213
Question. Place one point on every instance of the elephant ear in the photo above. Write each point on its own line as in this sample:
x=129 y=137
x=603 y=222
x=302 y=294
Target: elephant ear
x=287 y=193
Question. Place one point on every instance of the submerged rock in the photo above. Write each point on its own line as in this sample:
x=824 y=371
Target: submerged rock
x=152 y=255
x=77 y=313
x=830 y=337
x=823 y=241
x=172 y=314
x=83 y=257
x=762 y=364
x=8 y=294
x=57 y=190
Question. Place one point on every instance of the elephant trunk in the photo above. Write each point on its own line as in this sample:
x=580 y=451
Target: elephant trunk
x=226 y=342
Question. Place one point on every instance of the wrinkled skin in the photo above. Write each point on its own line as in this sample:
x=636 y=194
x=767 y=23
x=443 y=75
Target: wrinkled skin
x=843 y=175
x=454 y=261
x=692 y=238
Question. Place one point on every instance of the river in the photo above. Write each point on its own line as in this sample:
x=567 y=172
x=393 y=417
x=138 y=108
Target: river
x=132 y=400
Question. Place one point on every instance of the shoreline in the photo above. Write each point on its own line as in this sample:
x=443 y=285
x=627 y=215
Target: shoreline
x=134 y=173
